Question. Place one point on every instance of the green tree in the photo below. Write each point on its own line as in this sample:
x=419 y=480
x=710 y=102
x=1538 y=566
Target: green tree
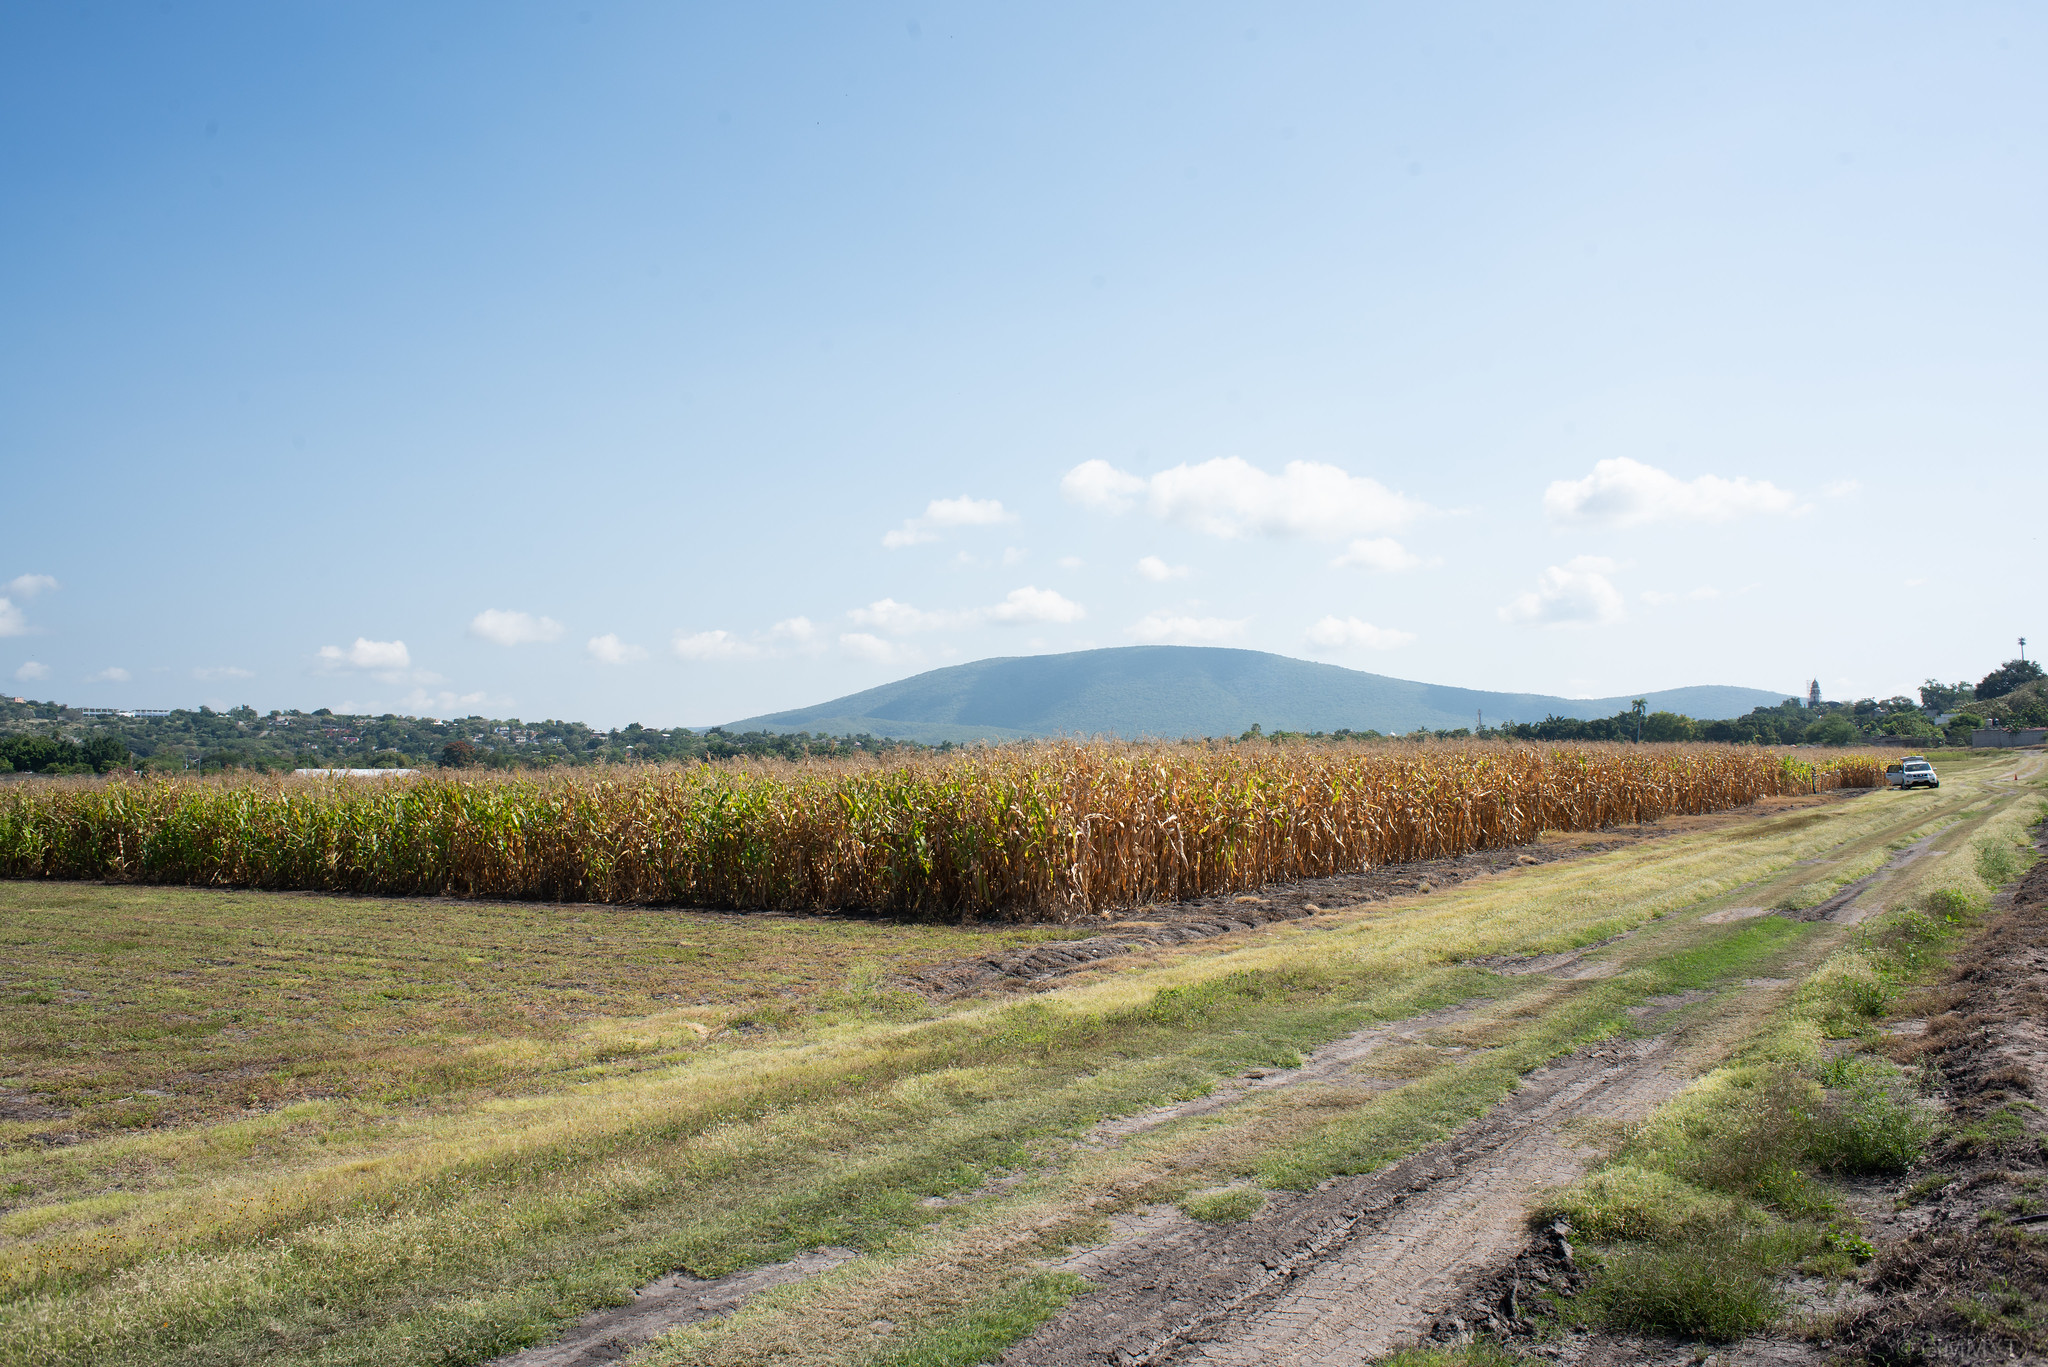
x=1907 y=724
x=1944 y=697
x=1961 y=725
x=2006 y=678
x=1835 y=730
x=1669 y=726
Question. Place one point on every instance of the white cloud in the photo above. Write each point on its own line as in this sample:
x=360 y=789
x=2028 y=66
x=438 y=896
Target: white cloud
x=1334 y=633
x=367 y=654
x=1625 y=493
x=1158 y=571
x=1842 y=488
x=1028 y=604
x=513 y=628
x=419 y=702
x=1014 y=555
x=609 y=649
x=32 y=670
x=1577 y=593
x=111 y=674
x=222 y=672
x=713 y=645
x=1377 y=553
x=1232 y=498
x=1704 y=594
x=1098 y=484
x=799 y=629
x=887 y=614
x=947 y=512
x=1160 y=628
x=29 y=585
x=866 y=647
x=1071 y=562
x=12 y=621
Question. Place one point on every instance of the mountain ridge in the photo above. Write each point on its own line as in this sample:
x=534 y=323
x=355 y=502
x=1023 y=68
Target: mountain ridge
x=1175 y=691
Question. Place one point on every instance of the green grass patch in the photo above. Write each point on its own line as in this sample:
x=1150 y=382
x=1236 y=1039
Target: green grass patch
x=1715 y=1287
x=979 y=1333
x=1224 y=1207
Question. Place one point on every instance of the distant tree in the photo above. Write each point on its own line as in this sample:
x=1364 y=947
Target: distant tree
x=104 y=752
x=2006 y=678
x=1907 y=724
x=1669 y=726
x=1835 y=730
x=1961 y=725
x=458 y=754
x=1943 y=697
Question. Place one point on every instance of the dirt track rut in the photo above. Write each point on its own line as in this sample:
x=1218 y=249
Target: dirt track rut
x=1348 y=1271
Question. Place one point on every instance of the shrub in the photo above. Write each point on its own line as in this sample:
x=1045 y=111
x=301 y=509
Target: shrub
x=1628 y=1203
x=1717 y=1287
x=1869 y=1121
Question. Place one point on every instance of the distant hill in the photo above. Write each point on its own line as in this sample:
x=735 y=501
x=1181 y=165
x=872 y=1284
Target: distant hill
x=1177 y=691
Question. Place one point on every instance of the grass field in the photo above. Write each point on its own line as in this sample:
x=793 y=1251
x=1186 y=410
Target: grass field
x=252 y=1127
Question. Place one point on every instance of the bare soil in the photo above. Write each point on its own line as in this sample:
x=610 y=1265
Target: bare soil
x=1353 y=1269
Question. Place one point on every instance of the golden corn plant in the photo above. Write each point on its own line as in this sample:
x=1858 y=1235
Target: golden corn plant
x=1043 y=831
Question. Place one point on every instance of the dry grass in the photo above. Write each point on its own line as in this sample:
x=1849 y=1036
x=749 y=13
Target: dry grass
x=126 y=1008
x=1028 y=832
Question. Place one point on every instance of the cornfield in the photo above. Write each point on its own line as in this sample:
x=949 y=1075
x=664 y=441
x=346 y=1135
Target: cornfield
x=1036 y=832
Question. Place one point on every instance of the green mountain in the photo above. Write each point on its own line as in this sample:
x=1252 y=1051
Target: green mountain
x=1175 y=691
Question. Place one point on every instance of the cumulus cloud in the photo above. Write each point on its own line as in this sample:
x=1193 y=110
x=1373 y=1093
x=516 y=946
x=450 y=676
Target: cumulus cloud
x=222 y=672
x=32 y=670
x=1575 y=594
x=1627 y=493
x=21 y=588
x=1232 y=498
x=1162 y=628
x=1099 y=485
x=712 y=645
x=609 y=649
x=943 y=513
x=1377 y=553
x=1071 y=562
x=26 y=586
x=1336 y=633
x=1028 y=604
x=420 y=702
x=111 y=674
x=513 y=628
x=1159 y=572
x=865 y=646
x=367 y=654
x=798 y=629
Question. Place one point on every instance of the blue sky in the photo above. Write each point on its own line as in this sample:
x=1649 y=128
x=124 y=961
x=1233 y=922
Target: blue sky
x=676 y=363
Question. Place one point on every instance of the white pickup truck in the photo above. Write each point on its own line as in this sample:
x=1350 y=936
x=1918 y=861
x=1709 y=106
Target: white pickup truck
x=1911 y=772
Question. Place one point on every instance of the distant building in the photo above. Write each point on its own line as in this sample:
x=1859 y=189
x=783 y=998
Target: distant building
x=1813 y=695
